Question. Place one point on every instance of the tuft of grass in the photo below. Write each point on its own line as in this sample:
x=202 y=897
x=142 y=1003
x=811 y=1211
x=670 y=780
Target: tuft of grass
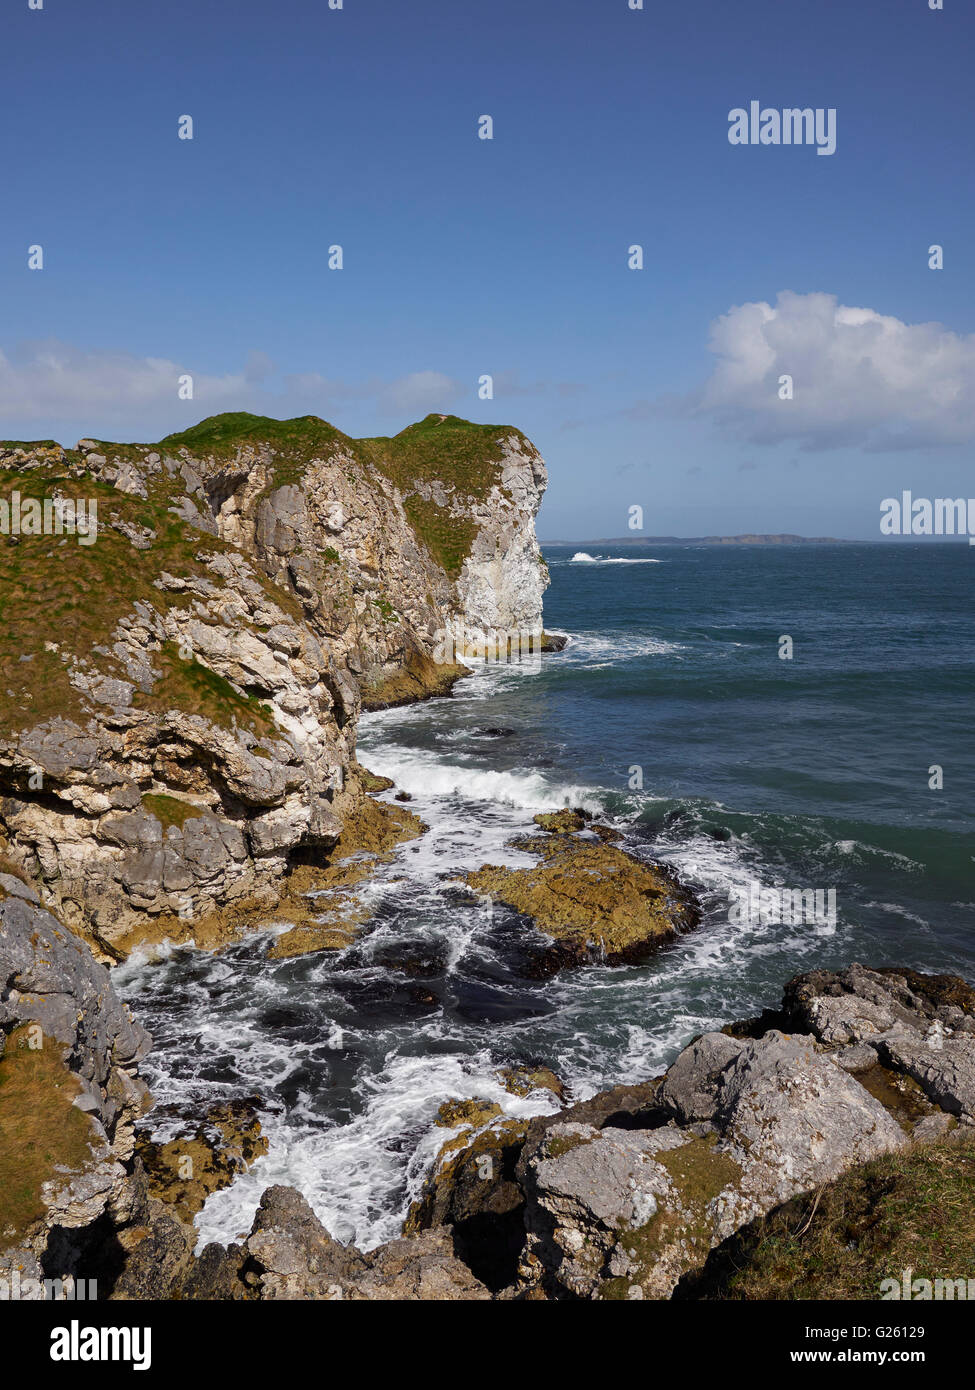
x=41 y=1130
x=909 y=1210
x=386 y=610
x=448 y=538
x=192 y=688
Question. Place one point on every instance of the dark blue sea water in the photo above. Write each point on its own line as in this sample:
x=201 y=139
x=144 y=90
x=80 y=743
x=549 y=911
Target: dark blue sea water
x=671 y=713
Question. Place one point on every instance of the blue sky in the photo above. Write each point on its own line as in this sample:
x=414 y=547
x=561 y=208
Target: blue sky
x=509 y=257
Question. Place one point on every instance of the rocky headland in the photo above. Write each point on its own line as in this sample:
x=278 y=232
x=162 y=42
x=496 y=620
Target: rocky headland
x=179 y=697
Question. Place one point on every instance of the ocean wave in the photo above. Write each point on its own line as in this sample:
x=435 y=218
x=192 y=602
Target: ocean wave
x=425 y=775
x=857 y=850
x=596 y=650
x=581 y=557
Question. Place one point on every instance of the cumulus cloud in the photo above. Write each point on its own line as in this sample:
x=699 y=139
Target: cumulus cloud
x=861 y=378
x=46 y=385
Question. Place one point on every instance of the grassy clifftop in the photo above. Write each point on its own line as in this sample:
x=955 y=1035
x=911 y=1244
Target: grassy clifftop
x=440 y=448
x=60 y=601
x=462 y=457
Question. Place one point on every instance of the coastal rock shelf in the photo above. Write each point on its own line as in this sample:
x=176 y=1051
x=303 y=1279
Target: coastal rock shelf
x=592 y=900
x=621 y=1196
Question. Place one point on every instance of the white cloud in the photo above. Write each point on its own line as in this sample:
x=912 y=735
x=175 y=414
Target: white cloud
x=421 y=392
x=861 y=378
x=47 y=386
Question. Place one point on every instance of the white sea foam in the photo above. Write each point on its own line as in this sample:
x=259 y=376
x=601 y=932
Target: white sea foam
x=582 y=558
x=362 y=1161
x=856 y=849
x=595 y=650
x=357 y=1176
x=427 y=775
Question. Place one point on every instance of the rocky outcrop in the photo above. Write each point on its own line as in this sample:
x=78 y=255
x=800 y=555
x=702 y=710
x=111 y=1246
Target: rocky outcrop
x=473 y=1189
x=289 y=1255
x=70 y=1093
x=749 y=1125
x=854 y=1065
x=592 y=900
x=178 y=730
x=621 y=1196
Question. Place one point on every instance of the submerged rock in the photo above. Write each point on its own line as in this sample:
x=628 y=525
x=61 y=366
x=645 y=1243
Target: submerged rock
x=523 y=1079
x=562 y=822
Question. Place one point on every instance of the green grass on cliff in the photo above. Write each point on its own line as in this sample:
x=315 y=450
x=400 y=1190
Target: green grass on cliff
x=41 y=1129
x=193 y=688
x=445 y=449
x=57 y=593
x=169 y=810
x=909 y=1210
x=441 y=449
x=455 y=453
x=295 y=442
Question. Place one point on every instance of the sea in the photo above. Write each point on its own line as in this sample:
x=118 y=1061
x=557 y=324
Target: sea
x=758 y=717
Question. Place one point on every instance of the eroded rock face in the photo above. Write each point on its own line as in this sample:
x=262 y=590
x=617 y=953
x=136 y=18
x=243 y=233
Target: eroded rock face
x=912 y=1025
x=623 y=1213
x=290 y=1255
x=170 y=748
x=72 y=1094
x=166 y=813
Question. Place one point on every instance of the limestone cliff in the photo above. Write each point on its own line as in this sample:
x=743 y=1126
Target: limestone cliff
x=179 y=689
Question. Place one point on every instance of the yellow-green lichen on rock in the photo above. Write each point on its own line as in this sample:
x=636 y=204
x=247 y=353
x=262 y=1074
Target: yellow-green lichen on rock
x=594 y=900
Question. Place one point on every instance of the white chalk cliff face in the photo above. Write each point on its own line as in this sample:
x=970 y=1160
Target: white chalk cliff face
x=182 y=725
x=503 y=579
